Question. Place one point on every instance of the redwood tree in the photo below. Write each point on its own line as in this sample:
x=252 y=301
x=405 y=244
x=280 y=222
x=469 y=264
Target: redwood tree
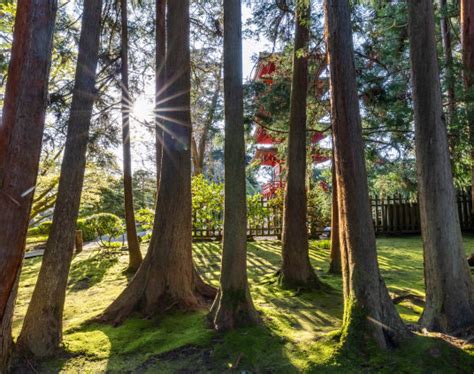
x=21 y=132
x=135 y=256
x=160 y=46
x=448 y=282
x=233 y=306
x=335 y=255
x=369 y=313
x=42 y=328
x=167 y=278
x=296 y=270
x=467 y=36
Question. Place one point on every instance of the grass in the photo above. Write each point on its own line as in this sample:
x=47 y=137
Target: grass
x=297 y=334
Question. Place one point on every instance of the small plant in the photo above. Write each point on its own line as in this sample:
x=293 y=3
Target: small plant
x=104 y=227
x=144 y=219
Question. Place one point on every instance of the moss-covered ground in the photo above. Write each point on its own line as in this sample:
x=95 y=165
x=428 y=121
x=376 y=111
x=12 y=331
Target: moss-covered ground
x=297 y=333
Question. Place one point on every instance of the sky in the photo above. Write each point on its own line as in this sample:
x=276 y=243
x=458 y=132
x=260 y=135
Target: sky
x=143 y=105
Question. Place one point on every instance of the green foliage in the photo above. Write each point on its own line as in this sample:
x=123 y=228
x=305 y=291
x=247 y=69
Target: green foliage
x=88 y=233
x=208 y=202
x=256 y=211
x=144 y=218
x=319 y=207
x=102 y=226
x=42 y=229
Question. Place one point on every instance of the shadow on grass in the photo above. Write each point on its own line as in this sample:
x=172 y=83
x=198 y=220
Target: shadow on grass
x=172 y=344
x=90 y=271
x=420 y=354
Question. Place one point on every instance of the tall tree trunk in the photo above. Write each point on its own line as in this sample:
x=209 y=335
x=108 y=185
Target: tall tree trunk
x=296 y=269
x=41 y=334
x=448 y=283
x=21 y=133
x=369 y=313
x=233 y=306
x=335 y=256
x=453 y=136
x=135 y=256
x=160 y=35
x=167 y=278
x=467 y=26
x=199 y=149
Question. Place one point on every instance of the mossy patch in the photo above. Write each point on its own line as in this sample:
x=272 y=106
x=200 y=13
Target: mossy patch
x=300 y=331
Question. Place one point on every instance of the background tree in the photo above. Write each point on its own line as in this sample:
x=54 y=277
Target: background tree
x=42 y=329
x=368 y=309
x=167 y=277
x=296 y=270
x=467 y=37
x=449 y=288
x=160 y=56
x=22 y=129
x=135 y=256
x=233 y=306
x=335 y=255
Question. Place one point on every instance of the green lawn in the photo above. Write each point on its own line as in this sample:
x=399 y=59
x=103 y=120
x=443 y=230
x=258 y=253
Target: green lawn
x=297 y=333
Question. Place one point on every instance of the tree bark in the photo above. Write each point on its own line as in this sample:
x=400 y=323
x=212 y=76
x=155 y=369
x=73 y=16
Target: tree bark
x=160 y=35
x=135 y=256
x=448 y=283
x=199 y=149
x=335 y=255
x=167 y=278
x=369 y=313
x=21 y=133
x=467 y=36
x=233 y=306
x=453 y=133
x=296 y=269
x=41 y=333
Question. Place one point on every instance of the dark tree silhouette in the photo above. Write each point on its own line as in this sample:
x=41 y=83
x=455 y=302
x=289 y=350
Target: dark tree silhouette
x=21 y=133
x=41 y=333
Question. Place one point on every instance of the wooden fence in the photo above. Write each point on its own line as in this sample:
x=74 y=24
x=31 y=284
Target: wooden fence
x=390 y=214
x=401 y=214
x=265 y=219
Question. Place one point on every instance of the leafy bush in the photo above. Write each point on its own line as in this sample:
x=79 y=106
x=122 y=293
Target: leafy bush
x=319 y=207
x=144 y=218
x=88 y=232
x=33 y=231
x=44 y=227
x=100 y=226
x=208 y=203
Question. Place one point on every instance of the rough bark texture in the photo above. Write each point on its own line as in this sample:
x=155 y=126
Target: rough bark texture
x=41 y=333
x=21 y=133
x=296 y=269
x=448 y=283
x=167 y=278
x=467 y=36
x=135 y=256
x=448 y=61
x=233 y=306
x=160 y=39
x=335 y=255
x=369 y=313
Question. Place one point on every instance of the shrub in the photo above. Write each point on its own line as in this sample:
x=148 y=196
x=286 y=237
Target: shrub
x=33 y=231
x=44 y=227
x=208 y=203
x=85 y=226
x=144 y=218
x=99 y=226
